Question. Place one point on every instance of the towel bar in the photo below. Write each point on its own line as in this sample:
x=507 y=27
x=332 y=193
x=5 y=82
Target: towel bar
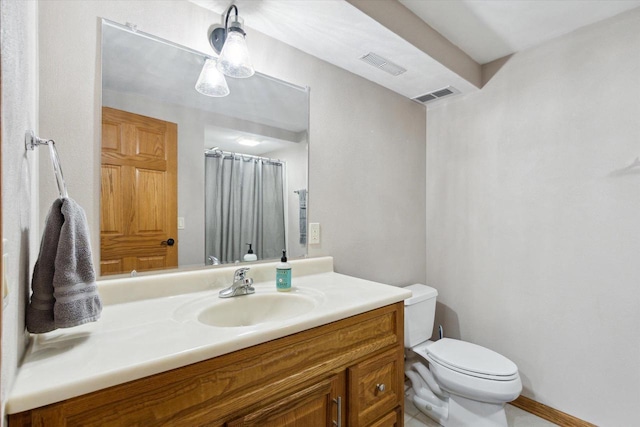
x=31 y=141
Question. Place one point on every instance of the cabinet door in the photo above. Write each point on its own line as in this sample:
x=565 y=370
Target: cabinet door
x=375 y=388
x=314 y=406
x=139 y=193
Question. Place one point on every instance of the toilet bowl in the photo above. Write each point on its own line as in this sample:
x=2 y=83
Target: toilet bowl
x=456 y=383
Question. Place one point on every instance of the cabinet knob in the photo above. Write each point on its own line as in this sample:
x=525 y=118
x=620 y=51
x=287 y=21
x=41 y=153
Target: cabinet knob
x=380 y=387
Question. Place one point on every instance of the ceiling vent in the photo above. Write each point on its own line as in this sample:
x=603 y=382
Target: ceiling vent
x=437 y=94
x=383 y=64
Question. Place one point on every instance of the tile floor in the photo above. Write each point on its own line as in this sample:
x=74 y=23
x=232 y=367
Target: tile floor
x=516 y=417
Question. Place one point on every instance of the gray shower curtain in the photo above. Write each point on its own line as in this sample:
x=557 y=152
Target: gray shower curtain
x=244 y=203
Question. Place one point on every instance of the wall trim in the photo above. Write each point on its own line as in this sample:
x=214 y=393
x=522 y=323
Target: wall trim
x=548 y=413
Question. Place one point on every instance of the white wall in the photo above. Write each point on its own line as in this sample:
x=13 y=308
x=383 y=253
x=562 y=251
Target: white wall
x=371 y=205
x=19 y=106
x=532 y=240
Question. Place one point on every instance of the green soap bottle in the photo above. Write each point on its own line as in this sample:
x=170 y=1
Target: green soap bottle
x=283 y=274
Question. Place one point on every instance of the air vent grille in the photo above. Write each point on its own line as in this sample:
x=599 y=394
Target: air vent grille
x=383 y=64
x=442 y=92
x=425 y=98
x=436 y=94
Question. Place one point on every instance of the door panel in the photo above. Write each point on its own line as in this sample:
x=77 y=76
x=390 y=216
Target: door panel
x=138 y=193
x=111 y=199
x=150 y=190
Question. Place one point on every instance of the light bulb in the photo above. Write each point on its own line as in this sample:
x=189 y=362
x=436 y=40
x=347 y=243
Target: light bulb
x=211 y=82
x=234 y=57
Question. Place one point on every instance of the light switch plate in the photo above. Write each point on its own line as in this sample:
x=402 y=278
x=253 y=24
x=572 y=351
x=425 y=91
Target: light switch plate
x=180 y=223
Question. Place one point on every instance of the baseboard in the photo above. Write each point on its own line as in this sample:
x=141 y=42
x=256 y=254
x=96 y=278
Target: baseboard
x=548 y=413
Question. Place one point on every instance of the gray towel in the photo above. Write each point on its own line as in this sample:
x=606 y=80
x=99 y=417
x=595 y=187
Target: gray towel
x=40 y=309
x=64 y=286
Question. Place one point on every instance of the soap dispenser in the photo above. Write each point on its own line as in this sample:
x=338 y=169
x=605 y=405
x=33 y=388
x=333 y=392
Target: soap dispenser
x=283 y=274
x=250 y=256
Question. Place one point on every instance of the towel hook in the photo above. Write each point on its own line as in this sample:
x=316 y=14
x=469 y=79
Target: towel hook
x=31 y=141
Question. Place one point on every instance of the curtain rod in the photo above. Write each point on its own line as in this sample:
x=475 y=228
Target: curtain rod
x=219 y=153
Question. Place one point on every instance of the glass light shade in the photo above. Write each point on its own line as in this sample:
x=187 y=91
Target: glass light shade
x=211 y=82
x=234 y=57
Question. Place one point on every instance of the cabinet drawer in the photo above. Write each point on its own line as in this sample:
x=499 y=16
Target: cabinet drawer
x=392 y=419
x=375 y=387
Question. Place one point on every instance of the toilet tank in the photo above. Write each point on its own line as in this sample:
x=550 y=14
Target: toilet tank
x=419 y=313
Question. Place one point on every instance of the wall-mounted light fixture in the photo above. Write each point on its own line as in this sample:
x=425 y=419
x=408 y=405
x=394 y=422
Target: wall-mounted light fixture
x=211 y=82
x=230 y=43
x=233 y=61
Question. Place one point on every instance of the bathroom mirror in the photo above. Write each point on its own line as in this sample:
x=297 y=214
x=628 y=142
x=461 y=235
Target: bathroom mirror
x=146 y=77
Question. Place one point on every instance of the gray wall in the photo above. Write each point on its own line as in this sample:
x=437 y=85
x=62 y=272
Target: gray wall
x=533 y=239
x=367 y=171
x=19 y=113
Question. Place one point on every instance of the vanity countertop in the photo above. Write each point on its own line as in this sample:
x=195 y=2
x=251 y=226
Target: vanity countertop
x=157 y=330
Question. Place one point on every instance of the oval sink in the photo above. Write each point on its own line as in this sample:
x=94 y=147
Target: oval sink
x=254 y=309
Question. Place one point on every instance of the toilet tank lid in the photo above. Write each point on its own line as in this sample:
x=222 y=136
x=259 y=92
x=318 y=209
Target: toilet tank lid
x=420 y=293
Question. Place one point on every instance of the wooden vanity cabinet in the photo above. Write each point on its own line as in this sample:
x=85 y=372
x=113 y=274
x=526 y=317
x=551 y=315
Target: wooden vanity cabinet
x=352 y=368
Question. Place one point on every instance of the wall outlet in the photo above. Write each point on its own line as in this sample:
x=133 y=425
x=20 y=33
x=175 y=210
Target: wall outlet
x=314 y=233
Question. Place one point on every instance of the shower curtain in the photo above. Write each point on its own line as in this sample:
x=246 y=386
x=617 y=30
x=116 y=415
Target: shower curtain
x=244 y=203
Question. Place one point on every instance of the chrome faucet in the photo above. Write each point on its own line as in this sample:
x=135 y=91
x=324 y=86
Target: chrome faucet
x=214 y=260
x=241 y=285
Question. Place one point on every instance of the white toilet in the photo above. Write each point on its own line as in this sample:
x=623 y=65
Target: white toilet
x=464 y=384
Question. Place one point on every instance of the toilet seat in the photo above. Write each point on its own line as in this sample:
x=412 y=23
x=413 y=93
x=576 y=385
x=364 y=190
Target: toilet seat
x=471 y=371
x=471 y=359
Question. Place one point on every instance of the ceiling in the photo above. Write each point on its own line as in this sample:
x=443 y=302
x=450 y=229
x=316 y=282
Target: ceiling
x=475 y=32
x=490 y=29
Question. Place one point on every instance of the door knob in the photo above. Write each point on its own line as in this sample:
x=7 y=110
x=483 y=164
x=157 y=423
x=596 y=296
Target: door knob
x=168 y=242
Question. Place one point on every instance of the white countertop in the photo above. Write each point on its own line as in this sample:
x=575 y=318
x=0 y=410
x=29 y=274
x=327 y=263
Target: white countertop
x=141 y=337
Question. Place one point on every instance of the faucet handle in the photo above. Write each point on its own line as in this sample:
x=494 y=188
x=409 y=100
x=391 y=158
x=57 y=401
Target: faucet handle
x=239 y=273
